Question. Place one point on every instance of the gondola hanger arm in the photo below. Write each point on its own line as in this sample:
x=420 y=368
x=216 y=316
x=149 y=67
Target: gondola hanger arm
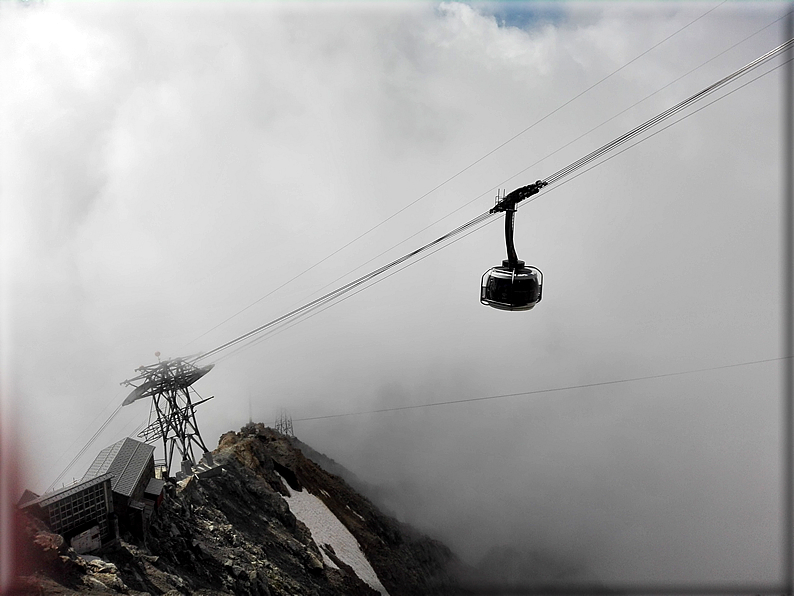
x=510 y=201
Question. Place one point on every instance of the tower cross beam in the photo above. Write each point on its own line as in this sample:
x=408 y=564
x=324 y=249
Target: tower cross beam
x=169 y=384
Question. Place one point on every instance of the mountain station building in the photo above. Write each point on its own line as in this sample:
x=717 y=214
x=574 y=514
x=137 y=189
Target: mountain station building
x=82 y=513
x=136 y=491
x=117 y=494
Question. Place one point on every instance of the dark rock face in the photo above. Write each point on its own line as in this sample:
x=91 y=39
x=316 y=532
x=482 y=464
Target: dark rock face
x=234 y=534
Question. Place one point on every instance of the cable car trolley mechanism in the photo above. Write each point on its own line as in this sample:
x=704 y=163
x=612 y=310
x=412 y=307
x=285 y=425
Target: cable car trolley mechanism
x=513 y=286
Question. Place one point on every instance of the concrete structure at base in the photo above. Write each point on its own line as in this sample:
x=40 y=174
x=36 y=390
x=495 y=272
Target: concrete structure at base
x=136 y=491
x=82 y=513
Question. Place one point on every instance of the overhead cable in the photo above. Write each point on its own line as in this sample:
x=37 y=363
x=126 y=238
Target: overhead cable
x=347 y=287
x=463 y=170
x=610 y=119
x=548 y=155
x=309 y=313
x=569 y=143
x=562 y=173
x=85 y=448
x=80 y=435
x=541 y=391
x=556 y=177
x=653 y=134
x=315 y=311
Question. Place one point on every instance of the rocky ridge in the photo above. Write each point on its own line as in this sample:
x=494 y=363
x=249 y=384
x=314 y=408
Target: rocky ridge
x=235 y=534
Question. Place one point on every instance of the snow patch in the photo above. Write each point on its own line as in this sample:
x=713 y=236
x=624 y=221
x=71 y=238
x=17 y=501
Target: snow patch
x=327 y=529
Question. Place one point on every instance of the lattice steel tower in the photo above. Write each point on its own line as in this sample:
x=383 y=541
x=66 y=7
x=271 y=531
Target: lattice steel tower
x=284 y=424
x=168 y=383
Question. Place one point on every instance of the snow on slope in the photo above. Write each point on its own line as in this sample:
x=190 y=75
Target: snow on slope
x=327 y=529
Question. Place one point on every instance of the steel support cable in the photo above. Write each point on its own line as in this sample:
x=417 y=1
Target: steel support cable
x=137 y=429
x=610 y=119
x=667 y=113
x=549 y=390
x=547 y=156
x=81 y=435
x=462 y=171
x=560 y=174
x=314 y=310
x=554 y=153
x=301 y=318
x=568 y=144
x=732 y=91
x=347 y=287
x=85 y=447
x=482 y=219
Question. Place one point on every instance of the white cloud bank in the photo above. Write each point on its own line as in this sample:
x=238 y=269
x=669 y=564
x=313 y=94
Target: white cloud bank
x=165 y=165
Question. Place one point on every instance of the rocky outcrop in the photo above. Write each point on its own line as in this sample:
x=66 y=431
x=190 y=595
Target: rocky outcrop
x=234 y=533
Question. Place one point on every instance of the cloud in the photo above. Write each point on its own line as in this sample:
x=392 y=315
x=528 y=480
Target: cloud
x=165 y=166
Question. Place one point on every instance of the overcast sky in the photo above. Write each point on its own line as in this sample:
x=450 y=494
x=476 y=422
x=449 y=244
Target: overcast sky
x=165 y=165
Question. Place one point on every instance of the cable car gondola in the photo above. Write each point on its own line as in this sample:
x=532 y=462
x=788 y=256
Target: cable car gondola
x=513 y=286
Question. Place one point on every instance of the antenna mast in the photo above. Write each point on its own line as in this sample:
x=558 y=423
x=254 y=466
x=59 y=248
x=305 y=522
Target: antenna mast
x=284 y=424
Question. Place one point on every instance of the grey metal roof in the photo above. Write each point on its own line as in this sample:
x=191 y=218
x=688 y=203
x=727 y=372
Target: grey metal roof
x=126 y=460
x=61 y=493
x=28 y=495
x=155 y=487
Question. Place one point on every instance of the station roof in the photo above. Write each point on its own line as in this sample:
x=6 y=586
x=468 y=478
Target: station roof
x=61 y=493
x=155 y=487
x=28 y=495
x=126 y=460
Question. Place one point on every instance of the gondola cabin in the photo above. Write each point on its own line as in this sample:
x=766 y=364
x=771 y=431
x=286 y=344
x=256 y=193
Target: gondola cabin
x=512 y=288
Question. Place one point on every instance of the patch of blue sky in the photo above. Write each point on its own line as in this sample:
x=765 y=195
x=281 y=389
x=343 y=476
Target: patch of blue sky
x=522 y=14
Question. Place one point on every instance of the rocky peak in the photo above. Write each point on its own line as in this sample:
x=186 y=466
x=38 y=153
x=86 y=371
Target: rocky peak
x=237 y=533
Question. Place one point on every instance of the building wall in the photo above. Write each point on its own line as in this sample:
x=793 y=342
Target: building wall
x=75 y=511
x=129 y=509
